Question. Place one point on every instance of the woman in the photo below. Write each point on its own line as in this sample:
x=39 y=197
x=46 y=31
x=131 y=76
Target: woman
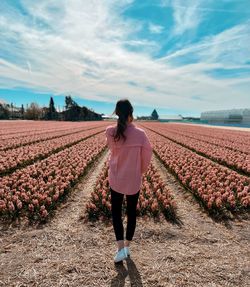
x=130 y=156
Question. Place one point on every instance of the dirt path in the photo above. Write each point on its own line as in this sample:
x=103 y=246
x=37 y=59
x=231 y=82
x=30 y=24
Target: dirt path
x=68 y=252
x=52 y=254
x=189 y=211
x=222 y=248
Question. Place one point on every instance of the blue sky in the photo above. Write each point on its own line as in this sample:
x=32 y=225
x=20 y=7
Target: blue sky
x=180 y=57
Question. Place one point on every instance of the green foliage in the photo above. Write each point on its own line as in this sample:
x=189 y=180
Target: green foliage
x=51 y=112
x=74 y=112
x=154 y=115
x=4 y=112
x=70 y=103
x=33 y=112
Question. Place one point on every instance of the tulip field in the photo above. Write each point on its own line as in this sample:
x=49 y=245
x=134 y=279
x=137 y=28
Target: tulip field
x=40 y=162
x=55 y=207
x=155 y=198
x=42 y=170
x=232 y=151
x=216 y=172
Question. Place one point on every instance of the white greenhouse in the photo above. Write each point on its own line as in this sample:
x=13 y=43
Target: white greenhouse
x=240 y=116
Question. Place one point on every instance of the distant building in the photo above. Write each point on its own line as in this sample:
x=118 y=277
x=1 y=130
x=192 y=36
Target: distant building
x=191 y=119
x=237 y=116
x=169 y=118
x=109 y=117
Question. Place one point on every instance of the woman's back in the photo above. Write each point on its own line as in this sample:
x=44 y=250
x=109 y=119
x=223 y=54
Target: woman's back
x=129 y=159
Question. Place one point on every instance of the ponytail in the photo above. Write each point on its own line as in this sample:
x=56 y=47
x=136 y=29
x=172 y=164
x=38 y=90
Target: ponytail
x=121 y=127
x=123 y=110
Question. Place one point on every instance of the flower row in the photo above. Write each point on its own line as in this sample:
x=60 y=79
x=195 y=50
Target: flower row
x=226 y=135
x=10 y=141
x=217 y=187
x=35 y=190
x=155 y=198
x=231 y=158
x=19 y=132
x=233 y=140
x=24 y=155
x=9 y=127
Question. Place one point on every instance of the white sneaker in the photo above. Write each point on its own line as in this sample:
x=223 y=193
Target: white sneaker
x=126 y=248
x=120 y=255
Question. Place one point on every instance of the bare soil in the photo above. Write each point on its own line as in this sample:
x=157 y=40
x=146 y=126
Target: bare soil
x=67 y=251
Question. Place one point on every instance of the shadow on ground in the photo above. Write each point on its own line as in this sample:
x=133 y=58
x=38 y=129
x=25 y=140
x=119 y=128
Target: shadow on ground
x=122 y=273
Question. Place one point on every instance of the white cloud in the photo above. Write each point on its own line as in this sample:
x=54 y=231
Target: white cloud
x=80 y=47
x=155 y=29
x=229 y=48
x=186 y=15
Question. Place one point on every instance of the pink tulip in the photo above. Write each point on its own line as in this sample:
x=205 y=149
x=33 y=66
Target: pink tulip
x=19 y=204
x=44 y=213
x=35 y=202
x=11 y=206
x=31 y=207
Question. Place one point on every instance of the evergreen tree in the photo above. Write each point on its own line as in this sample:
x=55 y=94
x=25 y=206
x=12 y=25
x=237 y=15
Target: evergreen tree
x=22 y=110
x=52 y=108
x=11 y=106
x=51 y=112
x=154 y=115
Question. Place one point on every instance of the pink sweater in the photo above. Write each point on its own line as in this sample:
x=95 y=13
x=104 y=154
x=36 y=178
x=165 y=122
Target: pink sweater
x=128 y=160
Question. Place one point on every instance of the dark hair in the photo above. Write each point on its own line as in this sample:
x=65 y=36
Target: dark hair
x=123 y=110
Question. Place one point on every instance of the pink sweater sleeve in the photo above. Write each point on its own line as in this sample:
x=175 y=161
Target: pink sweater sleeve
x=146 y=154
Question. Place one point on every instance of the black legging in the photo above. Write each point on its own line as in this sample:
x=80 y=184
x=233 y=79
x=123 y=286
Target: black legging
x=116 y=208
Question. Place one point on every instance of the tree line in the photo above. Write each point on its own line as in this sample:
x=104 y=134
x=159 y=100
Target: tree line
x=154 y=116
x=72 y=112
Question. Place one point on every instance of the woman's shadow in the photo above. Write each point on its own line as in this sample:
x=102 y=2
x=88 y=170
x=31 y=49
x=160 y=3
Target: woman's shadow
x=122 y=273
